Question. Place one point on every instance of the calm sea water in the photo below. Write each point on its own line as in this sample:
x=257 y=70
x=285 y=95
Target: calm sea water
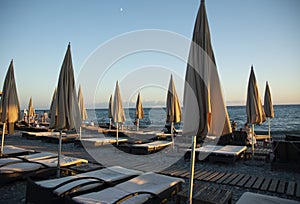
x=286 y=120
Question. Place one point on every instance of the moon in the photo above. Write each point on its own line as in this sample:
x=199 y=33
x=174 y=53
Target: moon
x=121 y=9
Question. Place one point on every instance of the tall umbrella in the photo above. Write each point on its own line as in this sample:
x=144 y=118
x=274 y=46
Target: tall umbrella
x=82 y=108
x=67 y=109
x=205 y=110
x=139 y=111
x=117 y=109
x=53 y=106
x=268 y=107
x=31 y=111
x=254 y=108
x=9 y=103
x=173 y=109
x=109 y=113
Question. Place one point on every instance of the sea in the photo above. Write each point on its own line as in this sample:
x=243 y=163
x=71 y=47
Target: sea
x=286 y=120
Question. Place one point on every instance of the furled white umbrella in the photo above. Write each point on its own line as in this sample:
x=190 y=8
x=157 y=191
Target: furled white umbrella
x=204 y=105
x=139 y=111
x=9 y=103
x=173 y=109
x=31 y=111
x=82 y=108
x=254 y=108
x=66 y=104
x=109 y=112
x=118 y=114
x=268 y=107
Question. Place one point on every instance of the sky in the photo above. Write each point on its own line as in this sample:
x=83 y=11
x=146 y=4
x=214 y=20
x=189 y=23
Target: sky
x=105 y=36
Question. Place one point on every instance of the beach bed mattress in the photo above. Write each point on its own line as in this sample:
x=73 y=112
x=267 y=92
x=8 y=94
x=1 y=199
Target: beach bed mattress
x=250 y=198
x=150 y=147
x=10 y=150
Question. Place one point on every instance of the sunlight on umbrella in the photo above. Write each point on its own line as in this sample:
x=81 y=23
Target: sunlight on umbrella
x=31 y=111
x=117 y=109
x=9 y=103
x=268 y=108
x=254 y=108
x=82 y=109
x=139 y=111
x=66 y=112
x=173 y=109
x=204 y=105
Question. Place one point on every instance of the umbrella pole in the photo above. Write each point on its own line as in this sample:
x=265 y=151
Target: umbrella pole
x=269 y=130
x=117 y=133
x=59 y=154
x=252 y=140
x=80 y=133
x=192 y=167
x=137 y=124
x=109 y=123
x=2 y=142
x=172 y=132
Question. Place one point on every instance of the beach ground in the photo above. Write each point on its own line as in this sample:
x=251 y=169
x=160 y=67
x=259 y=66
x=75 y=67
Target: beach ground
x=15 y=192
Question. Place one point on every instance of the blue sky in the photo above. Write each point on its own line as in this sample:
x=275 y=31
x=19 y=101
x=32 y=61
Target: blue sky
x=265 y=33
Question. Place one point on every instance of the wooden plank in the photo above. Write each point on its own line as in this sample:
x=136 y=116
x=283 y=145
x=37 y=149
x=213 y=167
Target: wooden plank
x=291 y=188
x=265 y=184
x=250 y=182
x=167 y=170
x=211 y=176
x=273 y=185
x=205 y=175
x=237 y=179
x=217 y=177
x=243 y=181
x=298 y=190
x=200 y=173
x=196 y=173
x=258 y=183
x=224 y=177
x=230 y=178
x=281 y=186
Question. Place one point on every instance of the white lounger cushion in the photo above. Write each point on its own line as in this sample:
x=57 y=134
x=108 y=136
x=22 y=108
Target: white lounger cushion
x=41 y=134
x=103 y=141
x=148 y=182
x=230 y=150
x=29 y=157
x=109 y=174
x=154 y=144
x=9 y=149
x=51 y=162
x=250 y=198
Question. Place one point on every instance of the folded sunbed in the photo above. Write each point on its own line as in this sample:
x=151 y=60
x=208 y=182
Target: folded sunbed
x=249 y=198
x=54 y=190
x=150 y=147
x=10 y=150
x=146 y=188
x=21 y=169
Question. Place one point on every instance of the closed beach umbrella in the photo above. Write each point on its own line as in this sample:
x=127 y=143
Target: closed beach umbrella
x=254 y=108
x=139 y=111
x=109 y=112
x=53 y=106
x=118 y=114
x=268 y=107
x=204 y=106
x=82 y=108
x=9 y=103
x=67 y=109
x=173 y=109
x=31 y=111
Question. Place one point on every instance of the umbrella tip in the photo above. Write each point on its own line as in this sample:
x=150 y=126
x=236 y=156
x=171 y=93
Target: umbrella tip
x=202 y=1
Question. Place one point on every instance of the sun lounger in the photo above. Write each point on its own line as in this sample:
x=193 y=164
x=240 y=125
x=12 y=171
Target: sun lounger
x=54 y=190
x=150 y=147
x=203 y=152
x=95 y=142
x=10 y=150
x=228 y=153
x=39 y=135
x=21 y=169
x=146 y=188
x=249 y=198
x=24 y=158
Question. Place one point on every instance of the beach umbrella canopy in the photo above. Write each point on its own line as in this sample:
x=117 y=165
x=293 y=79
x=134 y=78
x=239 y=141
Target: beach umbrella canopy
x=53 y=105
x=109 y=113
x=66 y=103
x=254 y=108
x=173 y=109
x=268 y=105
x=204 y=105
x=118 y=114
x=81 y=104
x=10 y=102
x=31 y=111
x=139 y=111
